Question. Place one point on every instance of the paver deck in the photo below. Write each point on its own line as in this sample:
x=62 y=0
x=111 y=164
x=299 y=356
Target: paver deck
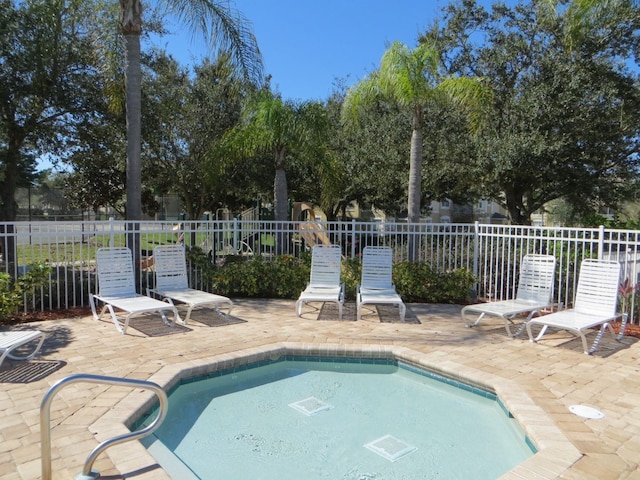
x=553 y=374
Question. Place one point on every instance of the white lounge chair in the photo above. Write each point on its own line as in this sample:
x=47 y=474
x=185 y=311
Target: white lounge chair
x=117 y=289
x=376 y=284
x=324 y=281
x=595 y=304
x=9 y=341
x=535 y=292
x=172 y=283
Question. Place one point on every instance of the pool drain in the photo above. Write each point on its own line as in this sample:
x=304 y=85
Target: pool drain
x=390 y=447
x=310 y=406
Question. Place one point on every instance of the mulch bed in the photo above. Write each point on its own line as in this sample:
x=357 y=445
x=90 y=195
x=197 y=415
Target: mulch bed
x=38 y=316
x=631 y=330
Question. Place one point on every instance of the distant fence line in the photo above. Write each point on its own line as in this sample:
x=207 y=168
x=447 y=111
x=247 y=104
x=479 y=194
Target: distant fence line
x=492 y=252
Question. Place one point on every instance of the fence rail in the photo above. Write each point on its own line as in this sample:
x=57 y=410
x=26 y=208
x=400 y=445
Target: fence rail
x=492 y=252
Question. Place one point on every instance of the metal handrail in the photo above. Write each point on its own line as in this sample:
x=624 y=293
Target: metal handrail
x=45 y=419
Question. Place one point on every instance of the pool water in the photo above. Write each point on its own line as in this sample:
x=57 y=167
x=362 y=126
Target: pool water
x=334 y=420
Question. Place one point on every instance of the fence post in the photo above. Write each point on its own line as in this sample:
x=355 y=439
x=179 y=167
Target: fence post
x=353 y=238
x=111 y=233
x=476 y=248
x=601 y=241
x=236 y=228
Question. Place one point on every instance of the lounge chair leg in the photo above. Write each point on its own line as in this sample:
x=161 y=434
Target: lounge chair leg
x=506 y=327
x=164 y=319
x=585 y=346
x=542 y=332
x=601 y=333
x=26 y=357
x=520 y=330
x=625 y=318
x=469 y=325
x=114 y=317
x=522 y=327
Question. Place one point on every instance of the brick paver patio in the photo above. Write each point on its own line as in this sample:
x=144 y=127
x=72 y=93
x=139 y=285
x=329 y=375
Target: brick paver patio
x=552 y=375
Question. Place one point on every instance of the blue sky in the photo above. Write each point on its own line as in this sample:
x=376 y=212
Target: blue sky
x=307 y=44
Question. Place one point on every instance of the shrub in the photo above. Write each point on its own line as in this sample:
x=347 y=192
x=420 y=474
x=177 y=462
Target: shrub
x=351 y=272
x=418 y=282
x=283 y=277
x=12 y=293
x=286 y=276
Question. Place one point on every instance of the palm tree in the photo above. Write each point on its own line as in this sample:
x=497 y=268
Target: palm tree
x=223 y=26
x=411 y=79
x=282 y=129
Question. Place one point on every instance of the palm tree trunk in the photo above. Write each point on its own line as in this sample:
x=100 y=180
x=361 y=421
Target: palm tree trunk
x=415 y=182
x=415 y=172
x=131 y=24
x=280 y=190
x=133 y=93
x=280 y=202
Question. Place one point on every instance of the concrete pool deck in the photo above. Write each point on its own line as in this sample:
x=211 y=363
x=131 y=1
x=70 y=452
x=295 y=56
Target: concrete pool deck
x=553 y=375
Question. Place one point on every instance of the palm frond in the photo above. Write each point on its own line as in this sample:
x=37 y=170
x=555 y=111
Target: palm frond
x=225 y=29
x=473 y=95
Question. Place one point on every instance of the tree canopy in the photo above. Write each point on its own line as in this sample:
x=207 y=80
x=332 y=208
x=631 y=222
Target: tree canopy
x=564 y=120
x=554 y=84
x=47 y=86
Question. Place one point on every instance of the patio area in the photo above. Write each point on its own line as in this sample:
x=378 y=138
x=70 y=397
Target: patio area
x=553 y=374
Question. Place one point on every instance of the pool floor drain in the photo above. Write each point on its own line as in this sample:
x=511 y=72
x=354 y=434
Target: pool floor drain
x=390 y=447
x=310 y=406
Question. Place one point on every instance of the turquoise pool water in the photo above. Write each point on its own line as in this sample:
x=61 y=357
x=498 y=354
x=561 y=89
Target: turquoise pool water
x=319 y=419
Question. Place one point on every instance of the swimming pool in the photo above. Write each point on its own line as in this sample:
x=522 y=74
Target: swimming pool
x=317 y=418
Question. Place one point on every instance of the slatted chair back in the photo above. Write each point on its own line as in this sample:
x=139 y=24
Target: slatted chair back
x=377 y=266
x=115 y=272
x=537 y=277
x=171 y=268
x=597 y=291
x=326 y=263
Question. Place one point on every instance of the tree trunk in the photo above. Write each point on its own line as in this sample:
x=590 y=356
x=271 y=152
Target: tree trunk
x=280 y=191
x=280 y=203
x=415 y=177
x=9 y=176
x=515 y=207
x=414 y=193
x=131 y=24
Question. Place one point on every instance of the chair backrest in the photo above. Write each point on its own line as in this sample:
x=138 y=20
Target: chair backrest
x=326 y=262
x=537 y=276
x=171 y=268
x=597 y=291
x=115 y=272
x=377 y=266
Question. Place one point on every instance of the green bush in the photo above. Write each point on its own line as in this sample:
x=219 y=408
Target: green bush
x=286 y=276
x=418 y=282
x=351 y=272
x=283 y=277
x=12 y=293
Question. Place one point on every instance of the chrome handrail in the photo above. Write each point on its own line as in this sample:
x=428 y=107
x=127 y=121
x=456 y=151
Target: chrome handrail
x=45 y=420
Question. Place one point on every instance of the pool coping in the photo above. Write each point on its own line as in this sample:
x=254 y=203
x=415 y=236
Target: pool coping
x=555 y=453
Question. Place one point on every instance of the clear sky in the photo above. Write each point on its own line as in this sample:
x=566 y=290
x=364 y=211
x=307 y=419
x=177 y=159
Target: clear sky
x=307 y=44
